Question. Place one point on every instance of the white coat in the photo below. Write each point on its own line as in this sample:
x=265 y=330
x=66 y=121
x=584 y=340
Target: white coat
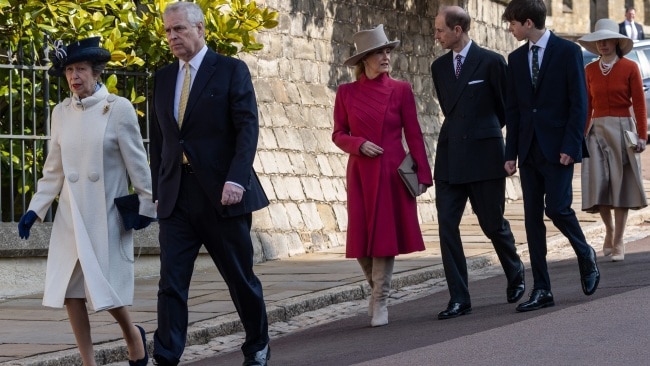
x=95 y=143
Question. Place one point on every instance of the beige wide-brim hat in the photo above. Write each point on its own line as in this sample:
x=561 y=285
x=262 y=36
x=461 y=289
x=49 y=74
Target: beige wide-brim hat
x=367 y=41
x=605 y=29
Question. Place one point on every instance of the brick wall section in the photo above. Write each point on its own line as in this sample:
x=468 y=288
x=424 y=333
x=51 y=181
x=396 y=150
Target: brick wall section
x=296 y=76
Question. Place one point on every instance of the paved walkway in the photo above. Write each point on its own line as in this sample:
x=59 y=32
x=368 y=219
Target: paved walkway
x=31 y=334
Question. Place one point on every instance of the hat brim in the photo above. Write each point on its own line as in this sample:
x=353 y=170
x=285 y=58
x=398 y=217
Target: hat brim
x=353 y=60
x=92 y=54
x=588 y=41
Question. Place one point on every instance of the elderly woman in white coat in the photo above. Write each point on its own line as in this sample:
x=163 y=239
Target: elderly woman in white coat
x=95 y=144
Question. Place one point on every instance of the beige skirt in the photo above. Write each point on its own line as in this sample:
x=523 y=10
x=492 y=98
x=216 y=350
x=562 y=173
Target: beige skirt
x=611 y=175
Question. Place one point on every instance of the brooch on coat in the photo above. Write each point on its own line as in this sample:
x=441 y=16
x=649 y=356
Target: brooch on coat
x=106 y=108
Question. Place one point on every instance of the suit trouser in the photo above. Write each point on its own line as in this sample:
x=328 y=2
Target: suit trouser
x=488 y=203
x=194 y=222
x=547 y=187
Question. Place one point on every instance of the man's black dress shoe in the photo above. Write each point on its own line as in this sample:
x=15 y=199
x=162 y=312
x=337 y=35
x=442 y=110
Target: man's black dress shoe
x=538 y=299
x=455 y=309
x=258 y=358
x=517 y=286
x=589 y=273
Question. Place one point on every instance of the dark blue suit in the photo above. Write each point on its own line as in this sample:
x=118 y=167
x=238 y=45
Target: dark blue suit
x=469 y=161
x=639 y=30
x=219 y=137
x=542 y=123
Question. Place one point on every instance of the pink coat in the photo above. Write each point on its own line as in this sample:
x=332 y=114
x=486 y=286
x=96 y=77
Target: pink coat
x=382 y=215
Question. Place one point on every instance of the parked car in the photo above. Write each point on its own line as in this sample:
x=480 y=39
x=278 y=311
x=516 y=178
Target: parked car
x=641 y=55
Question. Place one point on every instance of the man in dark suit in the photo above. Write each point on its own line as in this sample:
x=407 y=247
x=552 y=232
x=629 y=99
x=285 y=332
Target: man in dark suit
x=629 y=27
x=470 y=85
x=203 y=181
x=546 y=110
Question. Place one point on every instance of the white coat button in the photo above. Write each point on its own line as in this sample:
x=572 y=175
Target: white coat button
x=73 y=177
x=93 y=176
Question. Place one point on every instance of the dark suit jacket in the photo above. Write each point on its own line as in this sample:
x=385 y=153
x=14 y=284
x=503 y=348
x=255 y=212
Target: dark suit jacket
x=556 y=111
x=470 y=146
x=219 y=134
x=639 y=30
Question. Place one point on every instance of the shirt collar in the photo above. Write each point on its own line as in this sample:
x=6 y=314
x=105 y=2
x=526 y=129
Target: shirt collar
x=542 y=41
x=464 y=51
x=195 y=62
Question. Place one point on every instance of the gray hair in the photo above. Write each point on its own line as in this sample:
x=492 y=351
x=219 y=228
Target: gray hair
x=98 y=67
x=193 y=12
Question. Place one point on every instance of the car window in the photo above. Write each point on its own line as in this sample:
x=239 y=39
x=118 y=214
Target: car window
x=588 y=57
x=645 y=65
x=633 y=56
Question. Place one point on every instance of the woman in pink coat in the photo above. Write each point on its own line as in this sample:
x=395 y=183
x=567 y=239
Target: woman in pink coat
x=370 y=116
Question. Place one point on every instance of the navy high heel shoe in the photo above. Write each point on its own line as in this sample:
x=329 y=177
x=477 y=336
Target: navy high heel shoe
x=143 y=361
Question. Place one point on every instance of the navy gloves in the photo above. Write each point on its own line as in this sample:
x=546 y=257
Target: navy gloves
x=25 y=224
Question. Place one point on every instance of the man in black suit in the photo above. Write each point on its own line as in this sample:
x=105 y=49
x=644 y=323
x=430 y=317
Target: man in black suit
x=546 y=111
x=204 y=183
x=629 y=27
x=470 y=85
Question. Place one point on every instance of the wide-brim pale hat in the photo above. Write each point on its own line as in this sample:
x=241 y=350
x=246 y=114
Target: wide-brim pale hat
x=367 y=41
x=605 y=29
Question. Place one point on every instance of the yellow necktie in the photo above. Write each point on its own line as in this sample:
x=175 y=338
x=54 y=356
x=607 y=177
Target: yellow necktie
x=185 y=93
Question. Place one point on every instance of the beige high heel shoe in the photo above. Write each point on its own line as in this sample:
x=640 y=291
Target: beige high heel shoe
x=618 y=252
x=607 y=244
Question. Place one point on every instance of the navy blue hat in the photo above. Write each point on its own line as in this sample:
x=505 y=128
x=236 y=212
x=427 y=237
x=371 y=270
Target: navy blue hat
x=82 y=50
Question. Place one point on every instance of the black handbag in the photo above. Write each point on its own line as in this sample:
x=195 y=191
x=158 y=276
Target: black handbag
x=408 y=172
x=128 y=206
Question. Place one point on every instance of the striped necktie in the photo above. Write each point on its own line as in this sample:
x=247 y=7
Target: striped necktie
x=185 y=93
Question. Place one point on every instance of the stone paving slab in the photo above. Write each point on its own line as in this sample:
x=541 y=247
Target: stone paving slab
x=34 y=335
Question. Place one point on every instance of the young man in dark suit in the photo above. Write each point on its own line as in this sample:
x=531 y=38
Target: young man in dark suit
x=204 y=134
x=629 y=27
x=546 y=110
x=470 y=85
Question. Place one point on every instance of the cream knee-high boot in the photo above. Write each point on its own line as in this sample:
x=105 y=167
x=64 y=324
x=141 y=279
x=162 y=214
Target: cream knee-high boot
x=606 y=216
x=382 y=272
x=366 y=267
x=618 y=248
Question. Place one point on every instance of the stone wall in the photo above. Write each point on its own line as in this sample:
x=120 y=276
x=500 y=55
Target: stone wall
x=579 y=19
x=571 y=22
x=296 y=76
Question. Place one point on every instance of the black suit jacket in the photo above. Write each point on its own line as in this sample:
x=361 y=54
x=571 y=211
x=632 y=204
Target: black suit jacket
x=639 y=30
x=470 y=145
x=556 y=111
x=219 y=135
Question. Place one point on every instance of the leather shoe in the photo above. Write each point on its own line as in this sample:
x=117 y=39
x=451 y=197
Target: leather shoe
x=517 y=286
x=589 y=273
x=538 y=299
x=258 y=358
x=455 y=309
x=144 y=361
